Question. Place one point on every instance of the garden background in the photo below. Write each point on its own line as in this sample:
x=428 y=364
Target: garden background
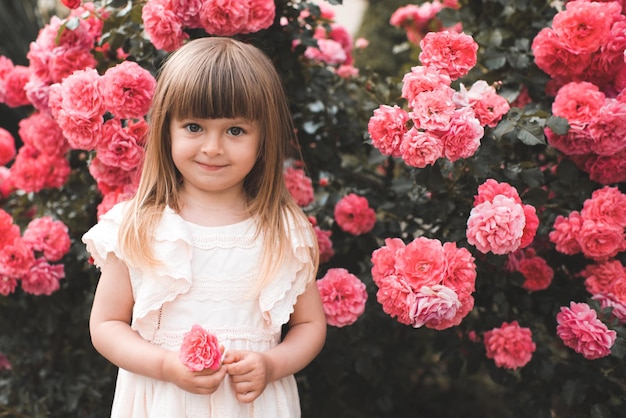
x=553 y=148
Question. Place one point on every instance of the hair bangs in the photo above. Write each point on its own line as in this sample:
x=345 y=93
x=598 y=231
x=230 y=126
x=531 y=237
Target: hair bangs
x=217 y=87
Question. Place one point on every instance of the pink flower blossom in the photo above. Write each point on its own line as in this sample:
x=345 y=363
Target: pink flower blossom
x=354 y=215
x=607 y=204
x=537 y=273
x=387 y=128
x=396 y=298
x=460 y=274
x=328 y=51
x=608 y=129
x=599 y=276
x=361 y=43
x=14 y=82
x=43 y=133
x=462 y=138
x=421 y=263
x=618 y=307
x=422 y=79
x=299 y=185
x=262 y=14
x=72 y=4
x=33 y=170
x=487 y=104
x=530 y=228
x=112 y=198
x=510 y=345
x=577 y=140
x=553 y=57
x=565 y=233
x=580 y=329
x=584 y=26
x=224 y=17
x=48 y=236
x=7 y=147
x=119 y=147
x=163 y=26
x=607 y=169
x=200 y=350
x=347 y=71
x=16 y=259
x=434 y=306
x=43 y=278
x=599 y=240
x=6 y=183
x=9 y=232
x=187 y=11
x=450 y=52
x=343 y=297
x=490 y=188
x=324 y=243
x=433 y=110
x=7 y=285
x=127 y=90
x=579 y=101
x=384 y=259
x=420 y=148
x=496 y=226
x=109 y=177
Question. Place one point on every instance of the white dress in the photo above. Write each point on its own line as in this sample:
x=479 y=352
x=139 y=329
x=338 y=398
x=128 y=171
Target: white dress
x=208 y=278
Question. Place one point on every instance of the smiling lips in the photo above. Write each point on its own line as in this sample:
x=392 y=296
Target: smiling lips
x=211 y=167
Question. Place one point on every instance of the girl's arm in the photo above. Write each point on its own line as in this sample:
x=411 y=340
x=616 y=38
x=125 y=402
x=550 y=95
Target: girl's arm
x=251 y=372
x=113 y=337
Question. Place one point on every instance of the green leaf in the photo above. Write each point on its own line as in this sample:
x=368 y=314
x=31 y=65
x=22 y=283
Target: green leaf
x=558 y=125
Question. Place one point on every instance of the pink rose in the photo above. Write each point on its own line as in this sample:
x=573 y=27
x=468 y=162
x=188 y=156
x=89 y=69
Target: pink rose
x=7 y=285
x=420 y=148
x=510 y=345
x=607 y=204
x=491 y=188
x=577 y=140
x=537 y=273
x=163 y=26
x=9 y=232
x=396 y=298
x=618 y=307
x=7 y=147
x=119 y=147
x=460 y=274
x=422 y=79
x=565 y=233
x=262 y=14
x=188 y=11
x=200 y=350
x=496 y=226
x=462 y=138
x=530 y=228
x=553 y=57
x=607 y=169
x=127 y=90
x=109 y=177
x=384 y=259
x=608 y=129
x=33 y=170
x=42 y=132
x=421 y=263
x=6 y=183
x=578 y=101
x=599 y=240
x=599 y=276
x=14 y=83
x=433 y=110
x=299 y=185
x=387 y=128
x=328 y=51
x=224 y=17
x=450 y=52
x=353 y=214
x=487 y=104
x=580 y=329
x=343 y=297
x=43 y=278
x=48 y=236
x=434 y=306
x=584 y=26
x=324 y=244
x=16 y=259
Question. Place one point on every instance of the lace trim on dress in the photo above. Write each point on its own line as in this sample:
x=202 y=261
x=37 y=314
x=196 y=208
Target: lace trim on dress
x=173 y=339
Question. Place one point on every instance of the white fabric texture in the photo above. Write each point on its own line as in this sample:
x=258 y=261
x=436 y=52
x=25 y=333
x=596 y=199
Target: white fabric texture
x=208 y=279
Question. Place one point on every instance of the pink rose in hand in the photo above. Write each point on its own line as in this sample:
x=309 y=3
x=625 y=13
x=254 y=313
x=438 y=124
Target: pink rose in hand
x=200 y=350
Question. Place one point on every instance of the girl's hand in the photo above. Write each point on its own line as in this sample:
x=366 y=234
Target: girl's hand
x=202 y=383
x=249 y=373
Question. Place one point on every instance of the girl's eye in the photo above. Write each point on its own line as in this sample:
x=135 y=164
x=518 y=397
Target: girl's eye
x=235 y=131
x=193 y=127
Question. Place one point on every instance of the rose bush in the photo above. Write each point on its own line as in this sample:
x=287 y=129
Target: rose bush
x=475 y=195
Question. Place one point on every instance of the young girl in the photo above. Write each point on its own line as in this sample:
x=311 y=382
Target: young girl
x=212 y=237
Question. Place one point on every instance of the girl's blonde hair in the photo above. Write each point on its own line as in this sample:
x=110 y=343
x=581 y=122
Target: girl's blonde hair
x=217 y=78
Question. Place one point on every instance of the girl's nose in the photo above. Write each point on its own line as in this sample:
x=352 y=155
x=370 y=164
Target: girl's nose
x=212 y=146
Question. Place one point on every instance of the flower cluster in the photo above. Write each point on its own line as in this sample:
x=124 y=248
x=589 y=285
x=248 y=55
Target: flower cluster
x=499 y=222
x=200 y=350
x=441 y=122
x=165 y=21
x=299 y=185
x=510 y=345
x=597 y=230
x=27 y=257
x=583 y=52
x=418 y=20
x=425 y=282
x=343 y=297
x=354 y=215
x=581 y=330
x=606 y=281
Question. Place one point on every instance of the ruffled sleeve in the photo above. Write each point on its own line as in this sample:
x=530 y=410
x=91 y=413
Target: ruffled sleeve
x=278 y=298
x=153 y=287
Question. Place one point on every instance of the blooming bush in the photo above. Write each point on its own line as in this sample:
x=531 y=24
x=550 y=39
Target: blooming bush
x=468 y=207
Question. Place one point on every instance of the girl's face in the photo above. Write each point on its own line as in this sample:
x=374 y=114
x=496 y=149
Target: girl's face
x=214 y=155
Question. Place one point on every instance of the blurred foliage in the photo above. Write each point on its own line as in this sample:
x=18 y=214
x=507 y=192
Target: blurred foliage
x=376 y=367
